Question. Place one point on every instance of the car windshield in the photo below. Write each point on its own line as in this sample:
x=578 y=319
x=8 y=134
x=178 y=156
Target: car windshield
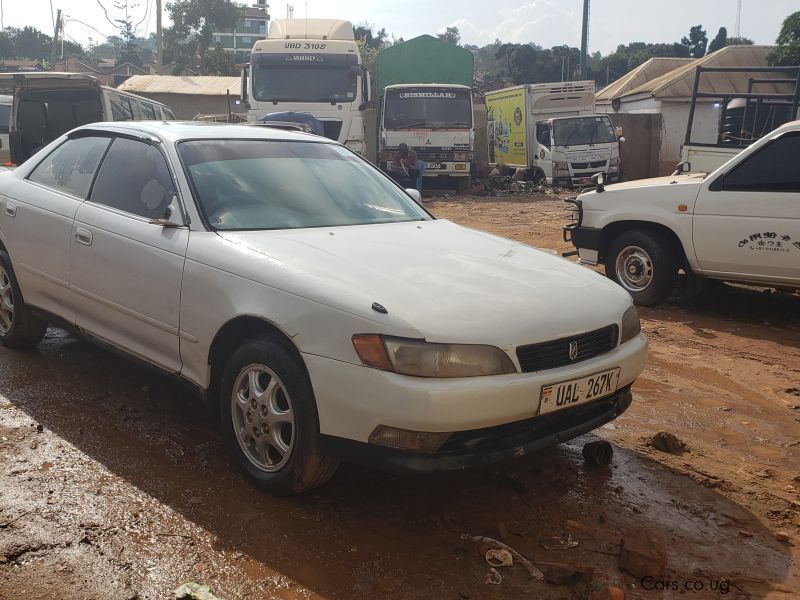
x=581 y=131
x=427 y=108
x=304 y=83
x=263 y=184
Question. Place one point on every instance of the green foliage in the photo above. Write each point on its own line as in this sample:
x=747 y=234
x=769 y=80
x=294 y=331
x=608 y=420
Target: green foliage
x=188 y=41
x=788 y=42
x=738 y=41
x=451 y=35
x=376 y=41
x=696 y=42
x=719 y=41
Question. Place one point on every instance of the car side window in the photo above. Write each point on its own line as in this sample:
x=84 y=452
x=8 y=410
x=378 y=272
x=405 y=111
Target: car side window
x=134 y=178
x=543 y=134
x=120 y=108
x=773 y=168
x=71 y=167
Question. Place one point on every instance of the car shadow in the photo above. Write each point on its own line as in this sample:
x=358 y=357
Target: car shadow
x=371 y=534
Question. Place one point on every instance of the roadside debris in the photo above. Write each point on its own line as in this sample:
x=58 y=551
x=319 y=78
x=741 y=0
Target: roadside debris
x=598 y=453
x=533 y=572
x=782 y=536
x=499 y=558
x=609 y=593
x=493 y=577
x=559 y=542
x=643 y=554
x=195 y=591
x=667 y=442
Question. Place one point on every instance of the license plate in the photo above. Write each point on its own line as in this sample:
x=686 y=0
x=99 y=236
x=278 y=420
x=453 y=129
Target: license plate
x=433 y=165
x=577 y=391
x=584 y=180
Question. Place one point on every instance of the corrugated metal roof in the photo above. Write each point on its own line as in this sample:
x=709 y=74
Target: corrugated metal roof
x=647 y=71
x=679 y=82
x=197 y=85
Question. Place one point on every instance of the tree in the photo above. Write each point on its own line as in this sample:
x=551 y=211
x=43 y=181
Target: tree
x=6 y=45
x=696 y=42
x=363 y=32
x=720 y=41
x=788 y=51
x=31 y=43
x=188 y=41
x=739 y=41
x=451 y=35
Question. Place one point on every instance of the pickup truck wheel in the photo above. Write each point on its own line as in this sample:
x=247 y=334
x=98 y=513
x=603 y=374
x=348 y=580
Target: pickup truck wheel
x=269 y=419
x=643 y=263
x=19 y=328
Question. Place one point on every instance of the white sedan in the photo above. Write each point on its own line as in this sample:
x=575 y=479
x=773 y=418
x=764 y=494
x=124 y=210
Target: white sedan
x=313 y=303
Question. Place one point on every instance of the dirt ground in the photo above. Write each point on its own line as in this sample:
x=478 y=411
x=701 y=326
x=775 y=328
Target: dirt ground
x=114 y=484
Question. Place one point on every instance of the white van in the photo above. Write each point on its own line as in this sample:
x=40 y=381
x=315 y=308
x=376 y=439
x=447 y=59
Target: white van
x=5 y=122
x=46 y=105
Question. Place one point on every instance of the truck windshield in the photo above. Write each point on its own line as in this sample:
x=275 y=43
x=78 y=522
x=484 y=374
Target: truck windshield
x=428 y=108
x=304 y=83
x=581 y=131
x=266 y=184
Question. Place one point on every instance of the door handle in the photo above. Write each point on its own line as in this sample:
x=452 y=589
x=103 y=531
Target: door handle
x=84 y=236
x=11 y=209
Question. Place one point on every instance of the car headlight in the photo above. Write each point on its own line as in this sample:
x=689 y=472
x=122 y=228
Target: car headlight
x=560 y=166
x=419 y=358
x=614 y=162
x=630 y=325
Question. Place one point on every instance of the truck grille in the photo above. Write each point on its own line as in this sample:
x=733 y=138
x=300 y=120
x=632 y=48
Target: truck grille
x=555 y=353
x=589 y=165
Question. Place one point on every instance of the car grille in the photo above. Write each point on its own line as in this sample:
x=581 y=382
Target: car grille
x=555 y=353
x=589 y=165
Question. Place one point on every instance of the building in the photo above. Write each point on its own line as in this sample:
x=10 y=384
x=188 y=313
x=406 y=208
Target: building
x=252 y=26
x=105 y=71
x=653 y=88
x=189 y=96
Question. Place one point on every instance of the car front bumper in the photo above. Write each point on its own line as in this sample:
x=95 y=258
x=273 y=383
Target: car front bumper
x=489 y=445
x=352 y=400
x=586 y=240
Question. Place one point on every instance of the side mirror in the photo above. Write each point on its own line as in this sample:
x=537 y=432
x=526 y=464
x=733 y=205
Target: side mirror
x=599 y=180
x=243 y=90
x=415 y=195
x=172 y=216
x=622 y=140
x=682 y=167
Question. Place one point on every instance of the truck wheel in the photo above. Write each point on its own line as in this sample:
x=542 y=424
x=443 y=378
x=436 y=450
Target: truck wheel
x=644 y=263
x=269 y=419
x=19 y=328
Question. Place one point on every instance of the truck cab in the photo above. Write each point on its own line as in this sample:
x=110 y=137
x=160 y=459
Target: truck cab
x=310 y=66
x=434 y=120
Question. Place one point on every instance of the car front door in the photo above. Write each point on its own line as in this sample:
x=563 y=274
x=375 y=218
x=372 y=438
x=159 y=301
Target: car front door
x=36 y=215
x=747 y=220
x=127 y=269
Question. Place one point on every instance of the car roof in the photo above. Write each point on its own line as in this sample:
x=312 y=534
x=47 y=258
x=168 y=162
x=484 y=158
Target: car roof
x=175 y=131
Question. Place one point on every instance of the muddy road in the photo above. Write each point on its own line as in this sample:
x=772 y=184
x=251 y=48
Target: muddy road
x=114 y=483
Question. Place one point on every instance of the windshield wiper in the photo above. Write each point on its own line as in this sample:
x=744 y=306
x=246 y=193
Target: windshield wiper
x=454 y=123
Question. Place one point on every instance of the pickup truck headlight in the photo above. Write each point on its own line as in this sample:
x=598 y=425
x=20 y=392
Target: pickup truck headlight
x=419 y=358
x=560 y=166
x=631 y=326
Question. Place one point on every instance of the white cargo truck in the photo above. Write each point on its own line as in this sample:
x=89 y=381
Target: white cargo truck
x=552 y=131
x=310 y=66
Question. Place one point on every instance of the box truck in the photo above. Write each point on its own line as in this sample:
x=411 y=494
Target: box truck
x=552 y=131
x=425 y=93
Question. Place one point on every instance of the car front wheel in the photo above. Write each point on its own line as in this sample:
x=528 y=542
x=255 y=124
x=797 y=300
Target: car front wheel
x=644 y=263
x=269 y=419
x=19 y=328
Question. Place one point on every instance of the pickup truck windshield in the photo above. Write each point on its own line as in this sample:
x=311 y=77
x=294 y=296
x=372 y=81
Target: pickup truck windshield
x=262 y=184
x=323 y=79
x=428 y=108
x=582 y=131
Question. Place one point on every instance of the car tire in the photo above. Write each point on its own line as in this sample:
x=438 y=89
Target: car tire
x=269 y=418
x=19 y=327
x=645 y=264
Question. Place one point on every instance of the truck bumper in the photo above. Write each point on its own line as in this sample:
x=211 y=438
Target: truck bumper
x=586 y=240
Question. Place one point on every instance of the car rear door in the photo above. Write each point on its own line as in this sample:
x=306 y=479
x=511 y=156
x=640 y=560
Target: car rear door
x=747 y=220
x=126 y=269
x=36 y=219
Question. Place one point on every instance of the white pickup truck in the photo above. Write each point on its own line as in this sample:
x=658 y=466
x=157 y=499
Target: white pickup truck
x=740 y=222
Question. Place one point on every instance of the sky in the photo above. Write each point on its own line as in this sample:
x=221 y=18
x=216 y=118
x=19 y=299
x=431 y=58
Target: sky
x=545 y=22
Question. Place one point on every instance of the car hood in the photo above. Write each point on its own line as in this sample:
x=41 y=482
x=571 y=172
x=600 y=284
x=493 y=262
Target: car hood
x=443 y=282
x=690 y=178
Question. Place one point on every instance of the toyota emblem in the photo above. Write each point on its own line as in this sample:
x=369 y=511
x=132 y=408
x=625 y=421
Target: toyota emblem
x=573 y=350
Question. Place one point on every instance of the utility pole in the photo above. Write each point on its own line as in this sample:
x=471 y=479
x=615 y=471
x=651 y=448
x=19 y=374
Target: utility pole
x=159 y=39
x=584 y=39
x=54 y=49
x=737 y=29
